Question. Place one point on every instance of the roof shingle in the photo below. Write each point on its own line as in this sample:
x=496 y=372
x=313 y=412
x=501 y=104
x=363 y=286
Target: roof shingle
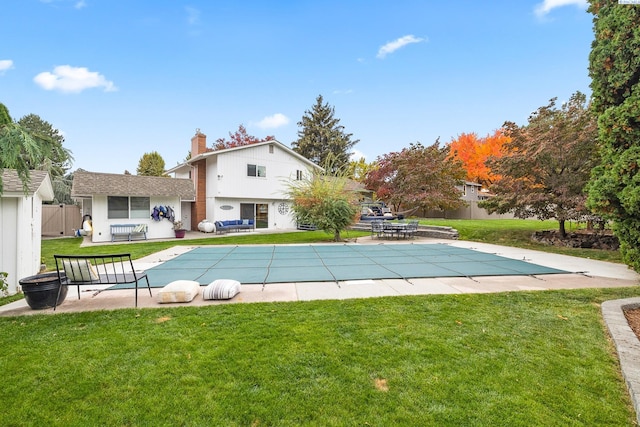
x=11 y=182
x=86 y=184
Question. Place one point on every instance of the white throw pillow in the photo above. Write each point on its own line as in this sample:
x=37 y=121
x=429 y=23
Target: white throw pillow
x=80 y=270
x=179 y=291
x=221 y=289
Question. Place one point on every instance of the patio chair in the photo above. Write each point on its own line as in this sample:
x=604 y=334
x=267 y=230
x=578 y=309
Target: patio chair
x=377 y=228
x=412 y=229
x=389 y=230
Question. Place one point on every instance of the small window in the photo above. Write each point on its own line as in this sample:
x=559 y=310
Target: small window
x=117 y=207
x=299 y=175
x=270 y=149
x=254 y=170
x=140 y=207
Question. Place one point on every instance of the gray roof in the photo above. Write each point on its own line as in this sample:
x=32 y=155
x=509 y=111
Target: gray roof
x=11 y=182
x=86 y=184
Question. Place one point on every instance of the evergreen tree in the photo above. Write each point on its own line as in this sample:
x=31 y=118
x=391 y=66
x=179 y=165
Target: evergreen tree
x=614 y=67
x=321 y=137
x=56 y=158
x=151 y=164
x=18 y=149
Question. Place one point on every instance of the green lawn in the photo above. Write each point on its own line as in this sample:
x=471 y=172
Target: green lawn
x=509 y=359
x=517 y=232
x=520 y=358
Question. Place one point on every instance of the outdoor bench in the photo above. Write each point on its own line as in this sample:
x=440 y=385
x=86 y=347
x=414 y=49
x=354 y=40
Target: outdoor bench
x=129 y=231
x=83 y=270
x=234 y=225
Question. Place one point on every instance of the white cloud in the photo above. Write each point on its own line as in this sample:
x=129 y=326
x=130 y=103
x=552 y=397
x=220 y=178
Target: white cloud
x=193 y=15
x=548 y=5
x=5 y=64
x=80 y=4
x=275 y=121
x=397 y=44
x=68 y=79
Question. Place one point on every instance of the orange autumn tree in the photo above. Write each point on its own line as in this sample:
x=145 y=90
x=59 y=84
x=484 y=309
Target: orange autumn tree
x=474 y=152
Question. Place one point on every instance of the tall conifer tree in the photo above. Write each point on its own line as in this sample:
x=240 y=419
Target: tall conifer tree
x=321 y=137
x=614 y=67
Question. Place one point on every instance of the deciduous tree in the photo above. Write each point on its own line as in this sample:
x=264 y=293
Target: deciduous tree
x=614 y=67
x=474 y=152
x=358 y=169
x=238 y=139
x=322 y=137
x=418 y=177
x=546 y=164
x=151 y=164
x=323 y=199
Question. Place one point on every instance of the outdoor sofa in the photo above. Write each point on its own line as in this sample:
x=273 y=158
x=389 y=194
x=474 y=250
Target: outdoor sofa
x=234 y=225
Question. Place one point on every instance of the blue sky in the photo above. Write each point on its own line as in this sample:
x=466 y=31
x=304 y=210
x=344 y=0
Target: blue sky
x=124 y=78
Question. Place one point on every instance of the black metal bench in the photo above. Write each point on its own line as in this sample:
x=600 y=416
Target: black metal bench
x=82 y=270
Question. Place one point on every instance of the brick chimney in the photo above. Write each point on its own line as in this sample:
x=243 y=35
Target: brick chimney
x=199 y=176
x=198 y=143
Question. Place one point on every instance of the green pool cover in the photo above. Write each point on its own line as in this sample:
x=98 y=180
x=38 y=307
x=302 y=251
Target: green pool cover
x=339 y=262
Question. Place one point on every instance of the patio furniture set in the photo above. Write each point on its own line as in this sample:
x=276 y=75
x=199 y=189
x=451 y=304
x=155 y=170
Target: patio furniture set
x=390 y=229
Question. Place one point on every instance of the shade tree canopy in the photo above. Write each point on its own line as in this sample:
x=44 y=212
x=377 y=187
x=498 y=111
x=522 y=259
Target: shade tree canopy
x=238 y=139
x=418 y=177
x=474 y=153
x=151 y=164
x=546 y=163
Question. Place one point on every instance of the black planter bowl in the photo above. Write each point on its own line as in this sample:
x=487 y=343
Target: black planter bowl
x=40 y=291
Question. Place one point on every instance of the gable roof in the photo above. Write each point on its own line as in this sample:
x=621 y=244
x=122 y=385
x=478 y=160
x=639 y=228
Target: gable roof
x=39 y=182
x=86 y=184
x=243 y=147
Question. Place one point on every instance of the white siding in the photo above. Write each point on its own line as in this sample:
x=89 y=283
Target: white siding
x=20 y=241
x=229 y=185
x=156 y=229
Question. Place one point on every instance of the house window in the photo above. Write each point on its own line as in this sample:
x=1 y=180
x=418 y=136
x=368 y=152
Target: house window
x=139 y=207
x=119 y=207
x=271 y=149
x=255 y=170
x=299 y=175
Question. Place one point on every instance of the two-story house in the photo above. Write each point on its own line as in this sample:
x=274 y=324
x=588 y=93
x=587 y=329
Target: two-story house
x=246 y=182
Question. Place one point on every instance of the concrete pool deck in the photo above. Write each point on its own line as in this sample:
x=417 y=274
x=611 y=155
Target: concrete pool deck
x=585 y=273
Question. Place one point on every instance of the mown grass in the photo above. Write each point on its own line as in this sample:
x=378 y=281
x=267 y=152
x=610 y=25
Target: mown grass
x=521 y=358
x=517 y=232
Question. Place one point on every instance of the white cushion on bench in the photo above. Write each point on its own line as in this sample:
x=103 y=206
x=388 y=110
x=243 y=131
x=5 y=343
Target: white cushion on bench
x=80 y=270
x=179 y=291
x=221 y=289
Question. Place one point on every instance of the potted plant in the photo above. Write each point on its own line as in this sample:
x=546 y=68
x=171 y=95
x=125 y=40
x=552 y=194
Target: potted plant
x=42 y=290
x=178 y=228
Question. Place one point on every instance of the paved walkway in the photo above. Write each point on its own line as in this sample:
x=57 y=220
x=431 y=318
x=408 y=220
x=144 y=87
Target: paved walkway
x=585 y=273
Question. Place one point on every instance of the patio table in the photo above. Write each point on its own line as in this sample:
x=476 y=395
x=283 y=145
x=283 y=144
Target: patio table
x=396 y=228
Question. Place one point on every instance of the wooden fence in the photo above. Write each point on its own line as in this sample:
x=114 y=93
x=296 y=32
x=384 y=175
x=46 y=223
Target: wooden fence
x=60 y=220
